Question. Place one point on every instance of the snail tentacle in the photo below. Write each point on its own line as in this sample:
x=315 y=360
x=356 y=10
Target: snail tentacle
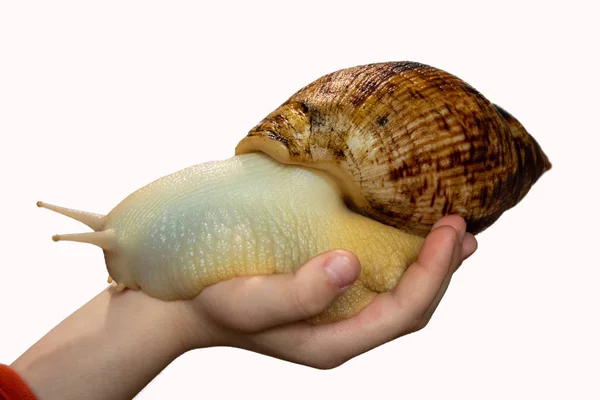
x=103 y=239
x=94 y=221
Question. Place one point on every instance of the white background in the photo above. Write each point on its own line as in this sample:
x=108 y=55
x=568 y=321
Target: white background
x=100 y=98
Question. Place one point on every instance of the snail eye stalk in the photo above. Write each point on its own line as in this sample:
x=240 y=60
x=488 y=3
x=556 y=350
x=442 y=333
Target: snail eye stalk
x=94 y=221
x=102 y=238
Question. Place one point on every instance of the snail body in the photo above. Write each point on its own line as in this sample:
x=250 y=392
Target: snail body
x=364 y=159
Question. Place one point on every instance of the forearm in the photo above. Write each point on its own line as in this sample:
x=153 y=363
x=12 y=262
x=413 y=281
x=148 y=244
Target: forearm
x=109 y=349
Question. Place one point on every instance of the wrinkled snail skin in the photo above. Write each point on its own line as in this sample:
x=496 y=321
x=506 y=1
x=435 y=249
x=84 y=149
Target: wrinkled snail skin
x=247 y=215
x=365 y=159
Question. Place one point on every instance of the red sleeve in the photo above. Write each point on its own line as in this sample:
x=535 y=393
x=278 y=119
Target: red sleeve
x=12 y=387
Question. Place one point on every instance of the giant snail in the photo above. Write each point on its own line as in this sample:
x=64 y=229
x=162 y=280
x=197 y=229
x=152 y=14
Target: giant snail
x=365 y=159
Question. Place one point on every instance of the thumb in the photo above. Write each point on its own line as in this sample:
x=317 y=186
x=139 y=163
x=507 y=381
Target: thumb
x=320 y=280
x=256 y=303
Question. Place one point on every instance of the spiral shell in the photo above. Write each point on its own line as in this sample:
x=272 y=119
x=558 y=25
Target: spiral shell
x=407 y=143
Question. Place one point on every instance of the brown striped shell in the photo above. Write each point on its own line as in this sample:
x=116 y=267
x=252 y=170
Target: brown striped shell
x=407 y=143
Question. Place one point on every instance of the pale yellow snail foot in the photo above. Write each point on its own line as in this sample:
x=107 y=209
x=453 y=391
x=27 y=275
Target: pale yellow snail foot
x=352 y=301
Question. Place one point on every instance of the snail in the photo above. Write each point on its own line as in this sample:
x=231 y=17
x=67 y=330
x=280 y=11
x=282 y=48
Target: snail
x=365 y=159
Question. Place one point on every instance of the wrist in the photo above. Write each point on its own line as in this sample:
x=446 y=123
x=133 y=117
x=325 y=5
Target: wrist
x=194 y=328
x=160 y=324
x=125 y=338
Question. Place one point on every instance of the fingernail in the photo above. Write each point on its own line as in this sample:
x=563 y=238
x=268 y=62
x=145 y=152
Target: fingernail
x=340 y=271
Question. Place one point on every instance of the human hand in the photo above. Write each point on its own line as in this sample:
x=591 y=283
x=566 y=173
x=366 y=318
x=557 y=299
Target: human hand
x=119 y=341
x=267 y=314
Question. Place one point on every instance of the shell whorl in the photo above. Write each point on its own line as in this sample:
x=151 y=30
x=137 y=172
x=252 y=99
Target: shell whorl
x=408 y=144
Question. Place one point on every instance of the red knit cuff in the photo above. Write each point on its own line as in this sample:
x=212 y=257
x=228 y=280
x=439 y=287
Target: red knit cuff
x=12 y=386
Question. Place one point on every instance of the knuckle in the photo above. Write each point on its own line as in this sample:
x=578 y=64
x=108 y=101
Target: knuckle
x=419 y=324
x=328 y=363
x=307 y=303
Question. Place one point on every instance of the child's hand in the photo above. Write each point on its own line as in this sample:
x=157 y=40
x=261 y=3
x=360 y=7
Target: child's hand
x=119 y=341
x=265 y=314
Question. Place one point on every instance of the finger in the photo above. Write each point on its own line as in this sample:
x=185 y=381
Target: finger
x=458 y=223
x=469 y=242
x=455 y=221
x=423 y=279
x=456 y=261
x=255 y=303
x=469 y=246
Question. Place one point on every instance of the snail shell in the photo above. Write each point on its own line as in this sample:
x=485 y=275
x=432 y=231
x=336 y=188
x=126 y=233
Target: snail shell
x=408 y=143
x=402 y=143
